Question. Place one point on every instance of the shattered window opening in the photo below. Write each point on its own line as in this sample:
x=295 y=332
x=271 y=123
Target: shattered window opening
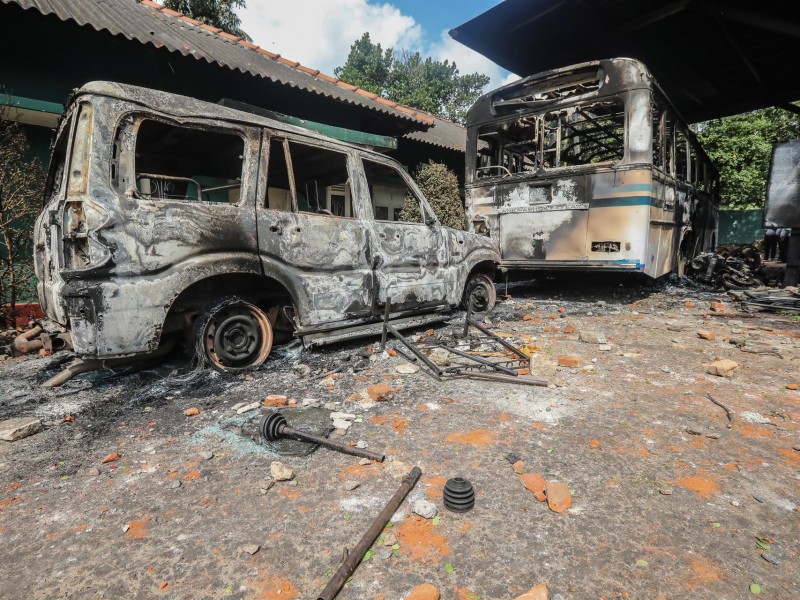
x=586 y=134
x=589 y=133
x=391 y=197
x=322 y=181
x=188 y=163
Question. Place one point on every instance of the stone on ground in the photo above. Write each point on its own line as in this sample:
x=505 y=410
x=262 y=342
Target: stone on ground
x=425 y=509
x=537 y=592
x=280 y=472
x=17 y=429
x=722 y=368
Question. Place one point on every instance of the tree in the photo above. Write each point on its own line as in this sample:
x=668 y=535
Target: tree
x=368 y=66
x=740 y=146
x=21 y=189
x=440 y=186
x=217 y=13
x=431 y=85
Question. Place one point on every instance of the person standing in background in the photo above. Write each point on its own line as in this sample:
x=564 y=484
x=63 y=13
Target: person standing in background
x=770 y=242
x=783 y=235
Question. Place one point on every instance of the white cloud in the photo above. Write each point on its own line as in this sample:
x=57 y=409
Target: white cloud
x=469 y=61
x=319 y=33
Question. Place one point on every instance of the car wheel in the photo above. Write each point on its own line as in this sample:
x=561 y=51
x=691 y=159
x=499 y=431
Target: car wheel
x=480 y=292
x=233 y=335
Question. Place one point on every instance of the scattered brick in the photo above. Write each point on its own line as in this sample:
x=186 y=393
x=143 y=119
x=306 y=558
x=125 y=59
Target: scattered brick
x=569 y=360
x=535 y=484
x=558 y=496
x=706 y=335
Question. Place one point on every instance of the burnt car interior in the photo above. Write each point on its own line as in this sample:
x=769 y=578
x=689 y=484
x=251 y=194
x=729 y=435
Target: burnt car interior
x=183 y=163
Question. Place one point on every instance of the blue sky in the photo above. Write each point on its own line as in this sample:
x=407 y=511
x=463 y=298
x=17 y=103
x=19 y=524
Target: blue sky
x=318 y=33
x=439 y=15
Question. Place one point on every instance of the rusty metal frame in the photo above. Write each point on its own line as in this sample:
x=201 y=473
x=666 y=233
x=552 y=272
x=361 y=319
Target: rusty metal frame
x=504 y=370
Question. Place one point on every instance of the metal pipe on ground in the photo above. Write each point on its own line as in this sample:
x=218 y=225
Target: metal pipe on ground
x=85 y=366
x=25 y=343
x=353 y=559
x=273 y=427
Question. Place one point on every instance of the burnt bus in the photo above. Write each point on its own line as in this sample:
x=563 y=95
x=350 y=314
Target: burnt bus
x=589 y=167
x=165 y=215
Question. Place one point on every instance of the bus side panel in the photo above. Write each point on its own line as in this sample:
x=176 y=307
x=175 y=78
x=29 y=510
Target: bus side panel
x=553 y=235
x=618 y=218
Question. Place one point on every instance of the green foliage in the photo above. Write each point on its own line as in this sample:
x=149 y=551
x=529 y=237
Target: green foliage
x=368 y=66
x=440 y=186
x=217 y=13
x=740 y=146
x=430 y=85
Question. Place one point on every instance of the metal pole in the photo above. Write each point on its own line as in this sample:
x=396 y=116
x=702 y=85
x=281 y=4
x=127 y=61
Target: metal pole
x=323 y=441
x=365 y=543
x=481 y=361
x=500 y=340
x=506 y=378
x=385 y=322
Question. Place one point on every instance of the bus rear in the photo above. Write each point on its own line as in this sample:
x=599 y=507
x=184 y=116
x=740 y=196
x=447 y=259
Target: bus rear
x=560 y=172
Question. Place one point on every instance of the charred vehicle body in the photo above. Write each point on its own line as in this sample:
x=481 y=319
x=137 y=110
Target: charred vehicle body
x=589 y=167
x=165 y=214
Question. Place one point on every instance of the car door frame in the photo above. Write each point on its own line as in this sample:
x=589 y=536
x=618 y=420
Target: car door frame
x=305 y=283
x=430 y=224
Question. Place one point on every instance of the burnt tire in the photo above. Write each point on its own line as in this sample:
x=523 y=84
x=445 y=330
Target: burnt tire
x=739 y=282
x=233 y=335
x=481 y=292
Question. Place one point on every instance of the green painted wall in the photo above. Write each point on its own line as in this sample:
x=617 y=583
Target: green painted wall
x=741 y=226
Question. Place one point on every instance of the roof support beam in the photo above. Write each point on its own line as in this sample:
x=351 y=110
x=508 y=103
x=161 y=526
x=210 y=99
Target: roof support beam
x=738 y=50
x=730 y=13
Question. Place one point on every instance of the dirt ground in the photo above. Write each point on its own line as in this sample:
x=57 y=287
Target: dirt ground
x=667 y=500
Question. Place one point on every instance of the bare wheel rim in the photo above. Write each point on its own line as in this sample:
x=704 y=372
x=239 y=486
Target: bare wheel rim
x=481 y=293
x=237 y=336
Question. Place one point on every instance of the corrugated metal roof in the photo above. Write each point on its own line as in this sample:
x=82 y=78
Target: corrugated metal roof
x=444 y=134
x=150 y=23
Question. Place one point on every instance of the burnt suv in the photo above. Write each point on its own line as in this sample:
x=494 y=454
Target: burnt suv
x=166 y=214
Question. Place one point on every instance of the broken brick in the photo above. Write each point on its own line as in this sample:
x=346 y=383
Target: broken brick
x=569 y=329
x=275 y=400
x=569 y=360
x=527 y=317
x=706 y=335
x=717 y=306
x=380 y=392
x=535 y=484
x=689 y=304
x=424 y=592
x=192 y=412
x=537 y=592
x=519 y=467
x=558 y=496
x=791 y=386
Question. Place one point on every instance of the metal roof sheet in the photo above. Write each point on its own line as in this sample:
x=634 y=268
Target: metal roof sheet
x=444 y=134
x=150 y=23
x=712 y=57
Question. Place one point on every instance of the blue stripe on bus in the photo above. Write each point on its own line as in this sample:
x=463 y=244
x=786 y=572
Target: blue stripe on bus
x=622 y=201
x=634 y=187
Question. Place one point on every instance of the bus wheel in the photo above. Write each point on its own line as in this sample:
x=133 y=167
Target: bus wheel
x=233 y=335
x=480 y=292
